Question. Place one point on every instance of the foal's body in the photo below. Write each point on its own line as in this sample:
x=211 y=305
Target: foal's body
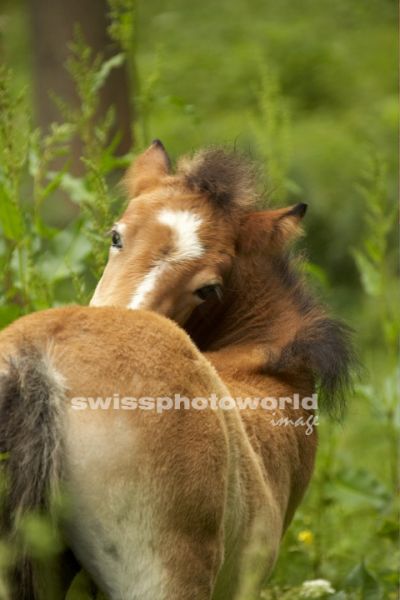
x=173 y=506
x=159 y=501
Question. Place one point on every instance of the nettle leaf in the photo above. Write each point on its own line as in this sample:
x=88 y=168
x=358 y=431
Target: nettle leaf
x=364 y=581
x=362 y=482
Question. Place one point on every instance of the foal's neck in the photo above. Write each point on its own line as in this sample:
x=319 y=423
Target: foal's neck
x=264 y=309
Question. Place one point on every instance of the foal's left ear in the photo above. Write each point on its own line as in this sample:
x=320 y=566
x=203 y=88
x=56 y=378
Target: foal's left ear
x=273 y=228
x=147 y=170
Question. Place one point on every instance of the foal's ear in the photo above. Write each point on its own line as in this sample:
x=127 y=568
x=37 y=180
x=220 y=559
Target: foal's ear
x=286 y=223
x=273 y=228
x=147 y=169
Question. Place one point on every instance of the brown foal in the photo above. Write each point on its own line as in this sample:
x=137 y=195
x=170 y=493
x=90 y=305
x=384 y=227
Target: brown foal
x=174 y=502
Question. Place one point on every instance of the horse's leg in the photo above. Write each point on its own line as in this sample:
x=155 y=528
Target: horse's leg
x=147 y=495
x=253 y=520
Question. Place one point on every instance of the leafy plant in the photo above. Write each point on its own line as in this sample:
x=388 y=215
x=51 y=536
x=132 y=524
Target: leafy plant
x=308 y=87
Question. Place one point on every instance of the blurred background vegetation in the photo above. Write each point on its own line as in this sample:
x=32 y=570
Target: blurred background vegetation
x=308 y=89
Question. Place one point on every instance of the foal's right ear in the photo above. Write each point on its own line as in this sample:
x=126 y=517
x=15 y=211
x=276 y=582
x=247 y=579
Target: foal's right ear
x=147 y=170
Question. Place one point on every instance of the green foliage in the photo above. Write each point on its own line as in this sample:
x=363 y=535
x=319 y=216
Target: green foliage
x=20 y=242
x=271 y=130
x=82 y=588
x=43 y=265
x=351 y=509
x=308 y=88
x=91 y=191
x=379 y=217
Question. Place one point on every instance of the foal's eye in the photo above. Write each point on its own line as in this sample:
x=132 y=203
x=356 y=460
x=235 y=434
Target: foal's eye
x=116 y=240
x=208 y=291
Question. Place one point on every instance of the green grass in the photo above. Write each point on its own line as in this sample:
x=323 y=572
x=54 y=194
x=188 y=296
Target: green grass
x=306 y=88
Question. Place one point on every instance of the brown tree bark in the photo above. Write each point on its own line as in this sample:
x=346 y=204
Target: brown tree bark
x=52 y=24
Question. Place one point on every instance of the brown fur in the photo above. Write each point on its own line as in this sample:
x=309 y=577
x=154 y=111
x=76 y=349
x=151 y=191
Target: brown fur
x=180 y=500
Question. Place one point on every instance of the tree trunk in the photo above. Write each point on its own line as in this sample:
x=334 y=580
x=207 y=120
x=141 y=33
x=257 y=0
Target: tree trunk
x=52 y=24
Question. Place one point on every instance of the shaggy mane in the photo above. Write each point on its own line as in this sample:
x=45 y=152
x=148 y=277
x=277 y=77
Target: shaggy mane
x=322 y=346
x=227 y=178
x=325 y=349
x=251 y=312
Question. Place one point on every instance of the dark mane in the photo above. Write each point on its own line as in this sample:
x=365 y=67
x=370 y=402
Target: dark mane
x=323 y=345
x=325 y=349
x=267 y=301
x=319 y=346
x=226 y=178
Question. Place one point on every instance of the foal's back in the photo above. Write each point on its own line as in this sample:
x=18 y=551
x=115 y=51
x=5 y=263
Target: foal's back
x=157 y=498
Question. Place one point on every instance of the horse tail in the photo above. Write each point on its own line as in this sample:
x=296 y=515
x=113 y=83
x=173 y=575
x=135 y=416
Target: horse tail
x=31 y=404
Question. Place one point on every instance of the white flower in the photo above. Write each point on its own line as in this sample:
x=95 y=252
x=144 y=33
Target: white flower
x=316 y=588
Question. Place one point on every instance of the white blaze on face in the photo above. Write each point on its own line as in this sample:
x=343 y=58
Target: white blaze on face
x=147 y=285
x=185 y=226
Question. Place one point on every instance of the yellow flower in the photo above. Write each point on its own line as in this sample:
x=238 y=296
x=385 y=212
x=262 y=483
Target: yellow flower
x=306 y=537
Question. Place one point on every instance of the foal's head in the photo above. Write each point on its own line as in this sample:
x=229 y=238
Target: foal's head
x=173 y=247
x=184 y=234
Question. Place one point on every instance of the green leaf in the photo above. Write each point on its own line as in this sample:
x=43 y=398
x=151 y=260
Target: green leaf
x=364 y=483
x=106 y=68
x=390 y=530
x=10 y=216
x=66 y=248
x=40 y=536
x=54 y=183
x=76 y=189
x=371 y=277
x=316 y=273
x=8 y=314
x=81 y=588
x=363 y=580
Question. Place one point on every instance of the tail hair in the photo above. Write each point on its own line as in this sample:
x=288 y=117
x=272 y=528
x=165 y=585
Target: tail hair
x=31 y=394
